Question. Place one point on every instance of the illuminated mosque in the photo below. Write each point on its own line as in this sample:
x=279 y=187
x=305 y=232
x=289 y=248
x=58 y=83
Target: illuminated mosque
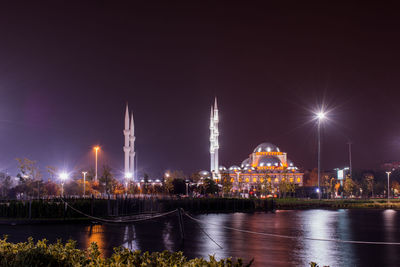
x=266 y=164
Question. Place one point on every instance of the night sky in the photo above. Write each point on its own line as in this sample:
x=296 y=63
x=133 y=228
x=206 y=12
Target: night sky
x=67 y=71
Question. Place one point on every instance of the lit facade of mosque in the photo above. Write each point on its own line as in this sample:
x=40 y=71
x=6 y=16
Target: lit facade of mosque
x=266 y=165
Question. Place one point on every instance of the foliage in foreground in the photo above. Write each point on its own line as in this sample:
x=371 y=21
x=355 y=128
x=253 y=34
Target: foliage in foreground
x=44 y=254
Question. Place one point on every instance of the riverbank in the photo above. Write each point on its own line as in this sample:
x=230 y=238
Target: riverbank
x=23 y=211
x=296 y=203
x=57 y=210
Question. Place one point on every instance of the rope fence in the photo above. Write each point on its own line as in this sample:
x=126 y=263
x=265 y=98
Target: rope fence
x=293 y=237
x=118 y=220
x=121 y=220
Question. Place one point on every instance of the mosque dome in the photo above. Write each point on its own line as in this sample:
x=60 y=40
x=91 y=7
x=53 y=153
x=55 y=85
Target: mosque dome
x=266 y=147
x=204 y=173
x=234 y=168
x=246 y=163
x=222 y=168
x=269 y=162
x=290 y=163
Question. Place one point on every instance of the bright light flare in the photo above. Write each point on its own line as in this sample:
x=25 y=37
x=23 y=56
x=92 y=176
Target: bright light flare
x=63 y=176
x=128 y=175
x=321 y=115
x=96 y=148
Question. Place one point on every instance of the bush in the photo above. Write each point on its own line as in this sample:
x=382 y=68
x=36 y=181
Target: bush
x=43 y=254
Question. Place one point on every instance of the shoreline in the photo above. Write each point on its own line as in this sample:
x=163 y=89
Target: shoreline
x=279 y=204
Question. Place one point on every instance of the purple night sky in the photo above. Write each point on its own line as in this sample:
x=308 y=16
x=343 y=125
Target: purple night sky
x=67 y=70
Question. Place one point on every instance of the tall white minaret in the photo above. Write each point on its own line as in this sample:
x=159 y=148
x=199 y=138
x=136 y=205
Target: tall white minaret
x=214 y=144
x=212 y=158
x=216 y=135
x=132 y=149
x=126 y=144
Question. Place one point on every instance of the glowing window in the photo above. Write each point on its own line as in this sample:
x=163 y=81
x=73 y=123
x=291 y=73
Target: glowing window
x=254 y=180
x=240 y=180
x=269 y=180
x=268 y=149
x=298 y=180
x=291 y=180
x=277 y=149
x=262 y=180
x=247 y=180
x=276 y=180
x=232 y=180
x=269 y=164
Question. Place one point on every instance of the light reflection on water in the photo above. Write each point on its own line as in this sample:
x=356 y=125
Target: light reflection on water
x=366 y=225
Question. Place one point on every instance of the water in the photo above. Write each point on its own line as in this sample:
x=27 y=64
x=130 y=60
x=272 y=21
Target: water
x=365 y=225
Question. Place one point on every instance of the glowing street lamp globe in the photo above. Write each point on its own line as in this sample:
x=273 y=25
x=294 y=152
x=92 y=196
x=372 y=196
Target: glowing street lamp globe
x=63 y=176
x=321 y=115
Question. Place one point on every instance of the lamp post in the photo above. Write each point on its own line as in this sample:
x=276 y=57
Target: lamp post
x=388 y=189
x=187 y=187
x=96 y=149
x=84 y=183
x=63 y=177
x=320 y=117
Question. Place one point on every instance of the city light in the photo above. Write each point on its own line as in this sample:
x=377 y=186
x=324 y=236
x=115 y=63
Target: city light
x=321 y=115
x=96 y=149
x=63 y=176
x=128 y=175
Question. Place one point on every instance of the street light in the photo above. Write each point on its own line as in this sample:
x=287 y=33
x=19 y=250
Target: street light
x=187 y=187
x=63 y=176
x=320 y=116
x=388 y=190
x=96 y=149
x=84 y=183
x=128 y=177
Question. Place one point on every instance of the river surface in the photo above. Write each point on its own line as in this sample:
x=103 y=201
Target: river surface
x=164 y=234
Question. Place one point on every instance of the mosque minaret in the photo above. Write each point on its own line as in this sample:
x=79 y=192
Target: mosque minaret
x=214 y=145
x=132 y=149
x=129 y=146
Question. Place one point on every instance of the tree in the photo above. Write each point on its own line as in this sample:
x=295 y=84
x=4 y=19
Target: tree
x=195 y=177
x=5 y=183
x=349 y=186
x=106 y=179
x=209 y=186
x=169 y=181
x=51 y=188
x=29 y=177
x=226 y=184
x=368 y=183
x=52 y=171
x=311 y=178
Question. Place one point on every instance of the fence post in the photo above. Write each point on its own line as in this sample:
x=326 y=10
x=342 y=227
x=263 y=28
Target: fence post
x=181 y=224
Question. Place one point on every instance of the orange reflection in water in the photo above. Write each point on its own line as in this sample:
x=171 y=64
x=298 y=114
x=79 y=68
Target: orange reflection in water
x=95 y=233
